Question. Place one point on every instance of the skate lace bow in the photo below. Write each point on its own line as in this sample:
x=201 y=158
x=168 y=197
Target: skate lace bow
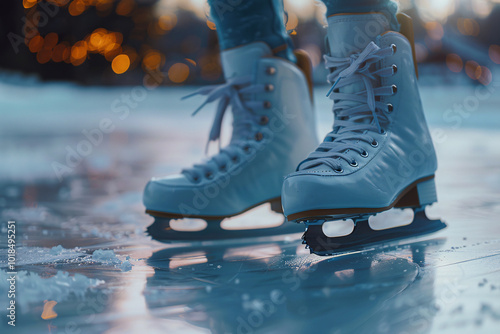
x=357 y=114
x=233 y=93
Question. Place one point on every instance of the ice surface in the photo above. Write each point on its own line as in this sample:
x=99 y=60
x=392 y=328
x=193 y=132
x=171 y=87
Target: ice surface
x=81 y=240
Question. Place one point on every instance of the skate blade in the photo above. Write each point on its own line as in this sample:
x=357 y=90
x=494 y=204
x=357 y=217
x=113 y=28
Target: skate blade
x=367 y=235
x=261 y=221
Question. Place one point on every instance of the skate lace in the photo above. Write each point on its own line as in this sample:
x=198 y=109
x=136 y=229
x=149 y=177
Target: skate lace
x=233 y=93
x=356 y=114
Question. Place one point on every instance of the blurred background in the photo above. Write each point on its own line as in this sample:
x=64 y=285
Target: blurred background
x=118 y=42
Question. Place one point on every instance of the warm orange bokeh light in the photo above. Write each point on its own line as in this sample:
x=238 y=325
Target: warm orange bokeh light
x=50 y=40
x=60 y=52
x=190 y=61
x=79 y=53
x=468 y=27
x=36 y=43
x=292 y=21
x=77 y=7
x=494 y=53
x=473 y=69
x=211 y=25
x=152 y=60
x=167 y=22
x=43 y=56
x=29 y=3
x=454 y=62
x=120 y=64
x=178 y=72
x=125 y=7
x=486 y=76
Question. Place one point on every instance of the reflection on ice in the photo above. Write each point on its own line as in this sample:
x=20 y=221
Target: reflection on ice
x=188 y=224
x=391 y=218
x=259 y=217
x=338 y=228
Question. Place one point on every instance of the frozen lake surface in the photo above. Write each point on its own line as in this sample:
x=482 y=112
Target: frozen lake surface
x=86 y=265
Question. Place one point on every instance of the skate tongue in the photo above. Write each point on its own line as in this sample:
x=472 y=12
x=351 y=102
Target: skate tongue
x=351 y=33
x=242 y=60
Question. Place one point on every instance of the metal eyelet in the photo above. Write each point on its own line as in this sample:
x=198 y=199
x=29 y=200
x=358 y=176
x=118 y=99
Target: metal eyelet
x=269 y=88
x=394 y=69
x=222 y=168
x=263 y=120
x=374 y=143
x=383 y=132
x=209 y=175
x=196 y=179
x=271 y=70
x=259 y=136
x=394 y=89
x=267 y=104
x=364 y=154
x=338 y=170
x=353 y=164
x=394 y=48
x=246 y=149
x=235 y=159
x=390 y=107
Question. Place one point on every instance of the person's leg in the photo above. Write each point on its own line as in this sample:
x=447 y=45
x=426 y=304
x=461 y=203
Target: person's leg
x=243 y=22
x=387 y=7
x=268 y=92
x=379 y=154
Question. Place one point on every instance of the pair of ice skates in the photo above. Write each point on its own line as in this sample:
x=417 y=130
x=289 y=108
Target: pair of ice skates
x=378 y=156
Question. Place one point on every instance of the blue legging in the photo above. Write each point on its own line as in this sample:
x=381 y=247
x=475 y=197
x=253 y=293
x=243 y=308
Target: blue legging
x=241 y=22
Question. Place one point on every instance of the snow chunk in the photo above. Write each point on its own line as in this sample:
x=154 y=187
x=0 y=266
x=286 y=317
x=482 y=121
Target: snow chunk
x=106 y=256
x=35 y=289
x=126 y=266
x=56 y=250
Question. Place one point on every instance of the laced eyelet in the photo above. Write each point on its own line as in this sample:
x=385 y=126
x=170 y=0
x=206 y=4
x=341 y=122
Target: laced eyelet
x=263 y=120
x=259 y=136
x=383 y=132
x=394 y=89
x=338 y=170
x=394 y=69
x=270 y=70
x=267 y=104
x=269 y=88
x=390 y=107
x=353 y=163
x=374 y=143
x=364 y=154
x=394 y=48
x=209 y=175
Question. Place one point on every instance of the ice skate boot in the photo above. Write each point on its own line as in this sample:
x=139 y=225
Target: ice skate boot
x=273 y=129
x=380 y=153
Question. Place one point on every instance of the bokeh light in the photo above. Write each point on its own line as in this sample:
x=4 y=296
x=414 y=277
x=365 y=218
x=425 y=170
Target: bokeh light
x=486 y=76
x=473 y=69
x=178 y=72
x=454 y=62
x=494 y=53
x=120 y=64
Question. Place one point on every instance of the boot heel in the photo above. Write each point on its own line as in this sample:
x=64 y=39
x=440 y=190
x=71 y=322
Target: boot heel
x=423 y=193
x=276 y=205
x=427 y=192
